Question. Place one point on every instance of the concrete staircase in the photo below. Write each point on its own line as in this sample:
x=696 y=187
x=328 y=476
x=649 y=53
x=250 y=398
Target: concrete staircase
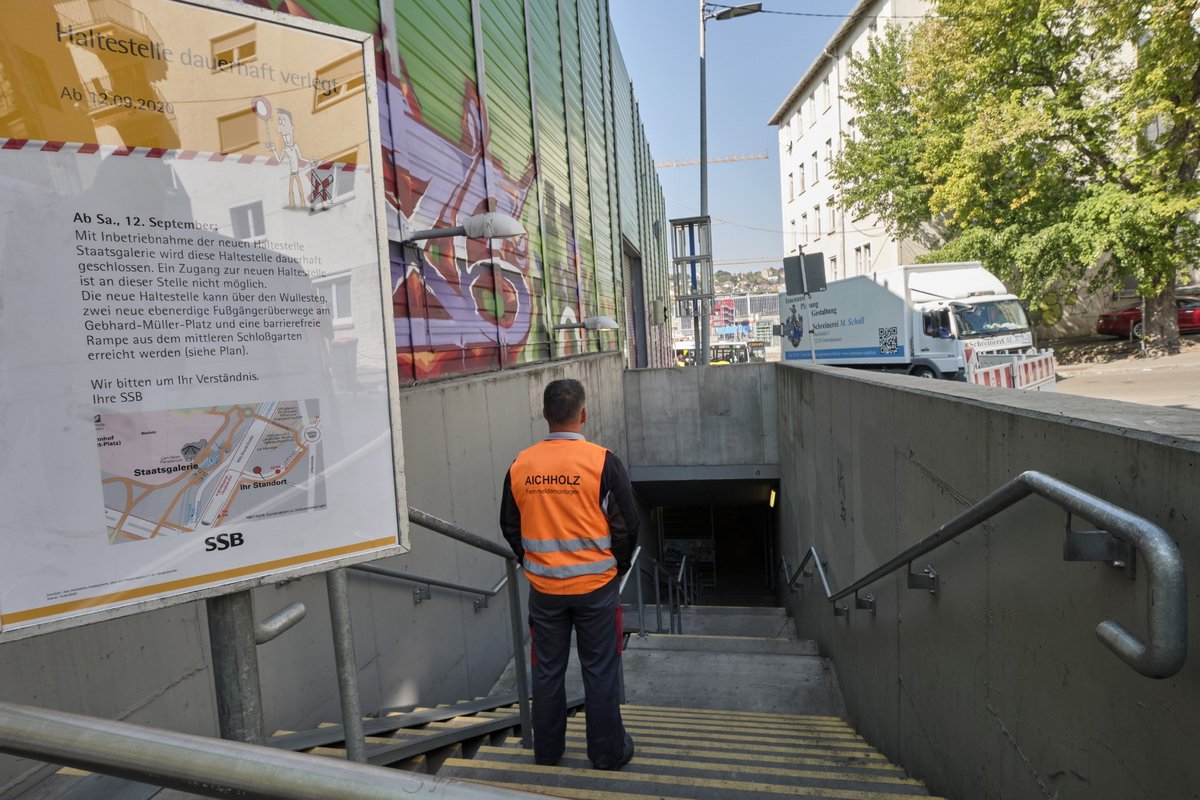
x=737 y=707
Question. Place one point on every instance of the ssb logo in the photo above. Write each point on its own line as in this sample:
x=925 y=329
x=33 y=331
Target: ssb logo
x=223 y=541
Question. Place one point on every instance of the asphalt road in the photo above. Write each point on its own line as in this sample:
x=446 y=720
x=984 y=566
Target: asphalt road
x=1168 y=381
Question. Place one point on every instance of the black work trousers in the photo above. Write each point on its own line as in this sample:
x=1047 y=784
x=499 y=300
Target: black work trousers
x=594 y=618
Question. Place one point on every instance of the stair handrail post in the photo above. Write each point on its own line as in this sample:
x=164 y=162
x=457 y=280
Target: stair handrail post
x=338 y=588
x=641 y=604
x=673 y=598
x=231 y=634
x=657 y=599
x=519 y=666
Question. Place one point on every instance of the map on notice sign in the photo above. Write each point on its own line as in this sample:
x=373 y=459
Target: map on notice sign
x=197 y=469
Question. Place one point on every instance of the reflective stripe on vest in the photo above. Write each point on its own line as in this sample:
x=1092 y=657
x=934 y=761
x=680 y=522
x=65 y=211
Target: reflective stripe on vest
x=556 y=486
x=565 y=545
x=575 y=571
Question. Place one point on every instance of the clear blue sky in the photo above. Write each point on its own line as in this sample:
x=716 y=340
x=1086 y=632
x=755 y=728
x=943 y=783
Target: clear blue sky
x=753 y=62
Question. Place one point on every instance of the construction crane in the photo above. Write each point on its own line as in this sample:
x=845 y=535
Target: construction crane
x=767 y=260
x=718 y=160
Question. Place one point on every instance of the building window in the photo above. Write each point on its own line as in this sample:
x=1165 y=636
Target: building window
x=814 y=165
x=862 y=259
x=336 y=291
x=812 y=109
x=791 y=194
x=852 y=129
x=248 y=221
x=833 y=273
x=338 y=80
x=828 y=152
x=816 y=222
x=792 y=235
x=872 y=27
x=804 y=228
x=830 y=217
x=825 y=91
x=238 y=131
x=801 y=185
x=236 y=47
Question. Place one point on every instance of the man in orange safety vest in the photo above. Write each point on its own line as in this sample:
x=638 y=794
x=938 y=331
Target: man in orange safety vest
x=569 y=514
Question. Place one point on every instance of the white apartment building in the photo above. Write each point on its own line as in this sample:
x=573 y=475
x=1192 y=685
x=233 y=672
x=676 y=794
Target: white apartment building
x=813 y=123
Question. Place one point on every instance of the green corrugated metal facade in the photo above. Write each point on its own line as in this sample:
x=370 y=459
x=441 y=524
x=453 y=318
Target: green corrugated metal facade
x=524 y=107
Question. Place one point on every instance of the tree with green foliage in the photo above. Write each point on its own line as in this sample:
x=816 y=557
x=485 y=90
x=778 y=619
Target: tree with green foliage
x=1057 y=141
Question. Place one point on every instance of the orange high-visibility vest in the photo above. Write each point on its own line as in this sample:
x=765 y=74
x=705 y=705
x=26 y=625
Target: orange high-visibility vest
x=556 y=486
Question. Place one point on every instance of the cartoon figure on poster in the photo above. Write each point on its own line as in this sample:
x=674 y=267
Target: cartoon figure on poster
x=794 y=327
x=291 y=155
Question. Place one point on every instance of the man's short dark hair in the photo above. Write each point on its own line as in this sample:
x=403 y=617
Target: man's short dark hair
x=562 y=400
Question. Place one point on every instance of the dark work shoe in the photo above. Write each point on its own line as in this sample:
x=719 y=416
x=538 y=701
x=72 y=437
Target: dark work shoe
x=626 y=755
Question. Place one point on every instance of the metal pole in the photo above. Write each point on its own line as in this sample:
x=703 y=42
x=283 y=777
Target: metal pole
x=657 y=601
x=704 y=322
x=347 y=670
x=671 y=602
x=518 y=634
x=641 y=606
x=235 y=667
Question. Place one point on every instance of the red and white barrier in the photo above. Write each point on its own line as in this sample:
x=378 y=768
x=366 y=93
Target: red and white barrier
x=1035 y=373
x=1000 y=376
x=1032 y=373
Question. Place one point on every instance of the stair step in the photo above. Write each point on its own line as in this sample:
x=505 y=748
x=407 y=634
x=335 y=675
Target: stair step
x=575 y=778
x=722 y=758
x=704 y=754
x=713 y=643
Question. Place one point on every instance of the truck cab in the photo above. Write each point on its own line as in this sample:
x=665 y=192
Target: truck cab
x=963 y=314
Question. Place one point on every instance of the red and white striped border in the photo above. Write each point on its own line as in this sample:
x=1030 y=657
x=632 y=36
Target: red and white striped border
x=106 y=150
x=999 y=376
x=1038 y=369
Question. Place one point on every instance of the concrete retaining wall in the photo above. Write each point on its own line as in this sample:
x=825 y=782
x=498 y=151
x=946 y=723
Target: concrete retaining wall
x=719 y=417
x=997 y=687
x=459 y=439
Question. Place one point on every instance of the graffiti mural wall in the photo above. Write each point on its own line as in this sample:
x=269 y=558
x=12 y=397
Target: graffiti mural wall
x=522 y=107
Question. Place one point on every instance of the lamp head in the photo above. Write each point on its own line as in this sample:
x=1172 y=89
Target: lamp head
x=489 y=225
x=738 y=11
x=492 y=225
x=589 y=324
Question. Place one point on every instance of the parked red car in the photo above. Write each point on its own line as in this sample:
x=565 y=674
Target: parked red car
x=1129 y=319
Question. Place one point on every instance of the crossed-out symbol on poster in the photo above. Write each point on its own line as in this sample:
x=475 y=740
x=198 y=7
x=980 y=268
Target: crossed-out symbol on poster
x=320 y=187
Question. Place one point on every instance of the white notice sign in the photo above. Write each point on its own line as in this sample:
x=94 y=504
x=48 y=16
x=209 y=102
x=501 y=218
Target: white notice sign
x=195 y=355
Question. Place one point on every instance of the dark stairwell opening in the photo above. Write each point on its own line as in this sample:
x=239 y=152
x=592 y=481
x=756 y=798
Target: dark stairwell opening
x=725 y=530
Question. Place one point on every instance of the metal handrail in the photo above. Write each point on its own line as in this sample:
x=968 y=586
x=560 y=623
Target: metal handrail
x=465 y=536
x=423 y=581
x=212 y=767
x=1164 y=652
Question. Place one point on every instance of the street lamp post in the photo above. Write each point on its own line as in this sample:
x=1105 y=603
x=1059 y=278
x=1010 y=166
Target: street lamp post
x=705 y=15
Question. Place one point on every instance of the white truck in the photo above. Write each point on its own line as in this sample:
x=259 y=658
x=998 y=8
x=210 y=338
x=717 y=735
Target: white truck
x=954 y=321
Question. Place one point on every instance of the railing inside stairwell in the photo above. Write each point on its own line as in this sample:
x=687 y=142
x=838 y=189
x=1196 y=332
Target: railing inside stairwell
x=682 y=589
x=449 y=529
x=1119 y=538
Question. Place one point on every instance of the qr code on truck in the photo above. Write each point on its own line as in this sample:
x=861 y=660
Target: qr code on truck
x=888 y=341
